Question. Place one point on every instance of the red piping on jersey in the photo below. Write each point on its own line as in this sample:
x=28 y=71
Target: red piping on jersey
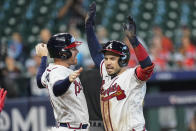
x=51 y=69
x=104 y=116
x=108 y=109
x=109 y=115
x=144 y=128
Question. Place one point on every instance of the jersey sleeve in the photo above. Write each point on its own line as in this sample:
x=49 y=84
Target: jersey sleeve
x=58 y=74
x=133 y=77
x=53 y=75
x=144 y=74
x=40 y=72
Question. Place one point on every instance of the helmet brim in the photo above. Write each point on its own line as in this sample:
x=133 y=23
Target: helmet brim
x=112 y=50
x=74 y=44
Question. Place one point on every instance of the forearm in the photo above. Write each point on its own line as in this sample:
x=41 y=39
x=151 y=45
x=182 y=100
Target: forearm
x=41 y=70
x=145 y=70
x=93 y=44
x=60 y=87
x=141 y=53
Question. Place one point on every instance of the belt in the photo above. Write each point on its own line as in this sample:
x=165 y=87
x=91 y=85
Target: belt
x=81 y=126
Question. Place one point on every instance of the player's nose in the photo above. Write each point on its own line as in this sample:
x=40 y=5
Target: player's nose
x=108 y=62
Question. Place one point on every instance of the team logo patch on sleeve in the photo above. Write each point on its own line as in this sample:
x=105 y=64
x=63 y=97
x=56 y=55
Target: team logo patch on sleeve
x=113 y=91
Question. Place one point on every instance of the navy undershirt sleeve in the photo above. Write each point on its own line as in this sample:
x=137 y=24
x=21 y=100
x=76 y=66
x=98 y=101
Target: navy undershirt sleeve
x=61 y=86
x=41 y=70
x=93 y=44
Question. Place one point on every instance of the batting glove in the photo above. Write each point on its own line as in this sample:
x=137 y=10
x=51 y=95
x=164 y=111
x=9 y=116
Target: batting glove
x=91 y=14
x=130 y=28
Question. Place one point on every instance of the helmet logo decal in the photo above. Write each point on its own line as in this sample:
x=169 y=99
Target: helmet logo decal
x=60 y=38
x=60 y=34
x=109 y=46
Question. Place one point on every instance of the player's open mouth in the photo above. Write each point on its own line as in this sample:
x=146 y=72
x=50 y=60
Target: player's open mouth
x=108 y=68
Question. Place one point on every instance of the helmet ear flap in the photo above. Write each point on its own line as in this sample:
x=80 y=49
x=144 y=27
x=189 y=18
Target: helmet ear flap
x=65 y=54
x=124 y=60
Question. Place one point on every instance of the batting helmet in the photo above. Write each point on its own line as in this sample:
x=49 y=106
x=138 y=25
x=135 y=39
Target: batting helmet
x=119 y=48
x=59 y=45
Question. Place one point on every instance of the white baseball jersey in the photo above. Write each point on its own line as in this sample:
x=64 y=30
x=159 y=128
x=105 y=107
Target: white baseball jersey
x=71 y=107
x=122 y=101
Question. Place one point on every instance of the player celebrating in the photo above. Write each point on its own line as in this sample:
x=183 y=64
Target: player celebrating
x=123 y=88
x=65 y=89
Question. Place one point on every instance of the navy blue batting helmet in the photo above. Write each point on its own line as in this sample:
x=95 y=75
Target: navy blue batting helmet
x=119 y=48
x=59 y=45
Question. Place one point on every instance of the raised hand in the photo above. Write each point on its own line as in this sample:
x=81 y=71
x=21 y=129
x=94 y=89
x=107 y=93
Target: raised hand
x=75 y=74
x=41 y=49
x=91 y=13
x=130 y=28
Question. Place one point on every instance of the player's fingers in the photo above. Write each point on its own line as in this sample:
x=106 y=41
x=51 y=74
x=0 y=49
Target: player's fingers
x=72 y=77
x=130 y=19
x=77 y=72
x=43 y=45
x=80 y=70
x=76 y=75
x=37 y=49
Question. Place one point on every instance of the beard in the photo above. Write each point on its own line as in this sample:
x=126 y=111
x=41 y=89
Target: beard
x=113 y=74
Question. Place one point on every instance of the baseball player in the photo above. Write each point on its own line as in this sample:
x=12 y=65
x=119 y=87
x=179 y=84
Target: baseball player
x=64 y=86
x=123 y=88
x=2 y=98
